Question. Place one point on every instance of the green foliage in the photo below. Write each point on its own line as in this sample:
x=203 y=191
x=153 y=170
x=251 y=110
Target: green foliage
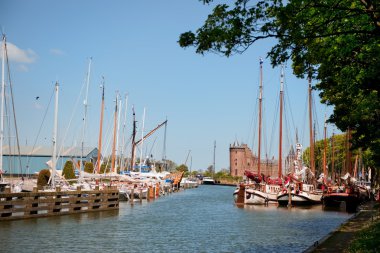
x=367 y=240
x=207 y=174
x=210 y=169
x=182 y=167
x=340 y=155
x=89 y=167
x=68 y=170
x=223 y=176
x=43 y=178
x=335 y=42
x=104 y=168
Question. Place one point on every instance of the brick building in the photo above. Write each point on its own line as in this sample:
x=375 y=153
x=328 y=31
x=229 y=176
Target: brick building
x=242 y=158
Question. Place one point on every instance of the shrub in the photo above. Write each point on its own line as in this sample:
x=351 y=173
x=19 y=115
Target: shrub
x=43 y=178
x=68 y=170
x=89 y=167
x=103 y=168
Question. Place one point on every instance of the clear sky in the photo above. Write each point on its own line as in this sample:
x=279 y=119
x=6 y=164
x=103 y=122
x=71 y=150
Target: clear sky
x=133 y=45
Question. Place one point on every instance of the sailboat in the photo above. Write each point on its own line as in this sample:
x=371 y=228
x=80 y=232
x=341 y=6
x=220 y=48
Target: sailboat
x=351 y=192
x=14 y=184
x=3 y=183
x=298 y=193
x=299 y=190
x=263 y=190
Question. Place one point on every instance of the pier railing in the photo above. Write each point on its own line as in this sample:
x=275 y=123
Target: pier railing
x=35 y=204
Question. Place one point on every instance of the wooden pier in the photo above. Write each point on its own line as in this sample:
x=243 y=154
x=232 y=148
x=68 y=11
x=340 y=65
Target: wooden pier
x=36 y=204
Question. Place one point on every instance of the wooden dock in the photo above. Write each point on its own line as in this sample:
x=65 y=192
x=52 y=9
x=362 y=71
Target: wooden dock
x=24 y=205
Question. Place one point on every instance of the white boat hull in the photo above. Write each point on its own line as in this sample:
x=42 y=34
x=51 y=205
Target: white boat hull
x=256 y=197
x=301 y=198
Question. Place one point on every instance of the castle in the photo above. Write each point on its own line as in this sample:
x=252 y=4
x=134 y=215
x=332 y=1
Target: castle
x=242 y=159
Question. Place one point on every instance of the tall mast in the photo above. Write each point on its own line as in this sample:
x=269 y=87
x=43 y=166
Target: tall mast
x=142 y=139
x=312 y=163
x=123 y=134
x=280 y=135
x=213 y=171
x=2 y=104
x=260 y=111
x=349 y=166
x=333 y=156
x=55 y=129
x=114 y=137
x=85 y=103
x=356 y=167
x=117 y=148
x=100 y=130
x=324 y=152
x=164 y=148
x=133 y=139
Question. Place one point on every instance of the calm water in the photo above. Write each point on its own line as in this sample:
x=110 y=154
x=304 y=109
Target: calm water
x=196 y=220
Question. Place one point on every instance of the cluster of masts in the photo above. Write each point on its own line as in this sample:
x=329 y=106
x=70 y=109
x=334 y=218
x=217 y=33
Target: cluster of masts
x=116 y=128
x=298 y=146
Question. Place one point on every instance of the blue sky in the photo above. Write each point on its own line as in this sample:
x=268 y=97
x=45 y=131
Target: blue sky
x=133 y=45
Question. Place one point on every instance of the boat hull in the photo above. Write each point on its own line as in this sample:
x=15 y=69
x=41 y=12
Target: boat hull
x=255 y=197
x=300 y=199
x=351 y=201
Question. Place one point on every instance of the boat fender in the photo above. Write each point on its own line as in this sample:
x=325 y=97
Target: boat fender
x=283 y=191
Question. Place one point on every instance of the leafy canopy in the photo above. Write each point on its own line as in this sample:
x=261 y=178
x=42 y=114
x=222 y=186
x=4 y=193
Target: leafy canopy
x=336 y=42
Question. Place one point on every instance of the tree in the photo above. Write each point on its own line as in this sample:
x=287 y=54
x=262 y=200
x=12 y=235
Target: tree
x=210 y=169
x=340 y=155
x=333 y=41
x=182 y=167
x=68 y=170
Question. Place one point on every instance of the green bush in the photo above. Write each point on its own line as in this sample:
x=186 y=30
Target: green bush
x=89 y=167
x=68 y=170
x=43 y=178
x=103 y=168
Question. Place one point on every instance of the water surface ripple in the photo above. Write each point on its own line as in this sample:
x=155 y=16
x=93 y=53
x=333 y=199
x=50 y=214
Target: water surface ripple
x=195 y=220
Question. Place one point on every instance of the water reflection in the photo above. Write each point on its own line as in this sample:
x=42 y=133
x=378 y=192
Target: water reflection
x=197 y=220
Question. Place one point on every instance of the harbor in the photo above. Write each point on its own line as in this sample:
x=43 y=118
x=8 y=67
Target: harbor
x=202 y=219
x=190 y=126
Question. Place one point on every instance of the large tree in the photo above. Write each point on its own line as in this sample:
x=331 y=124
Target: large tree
x=333 y=41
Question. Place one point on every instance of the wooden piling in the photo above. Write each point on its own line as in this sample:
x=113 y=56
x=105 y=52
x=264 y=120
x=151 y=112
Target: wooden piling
x=241 y=195
x=132 y=196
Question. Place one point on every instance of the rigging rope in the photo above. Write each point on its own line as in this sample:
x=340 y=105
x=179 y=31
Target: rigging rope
x=39 y=130
x=13 y=108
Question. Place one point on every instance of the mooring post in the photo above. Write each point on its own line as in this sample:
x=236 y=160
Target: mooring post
x=289 y=196
x=132 y=195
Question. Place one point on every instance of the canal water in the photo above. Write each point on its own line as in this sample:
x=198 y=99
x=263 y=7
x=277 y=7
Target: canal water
x=204 y=219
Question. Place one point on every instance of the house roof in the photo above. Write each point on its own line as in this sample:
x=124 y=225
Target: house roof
x=47 y=151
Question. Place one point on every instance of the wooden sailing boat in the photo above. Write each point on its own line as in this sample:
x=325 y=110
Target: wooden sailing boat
x=10 y=182
x=262 y=191
x=350 y=192
x=298 y=191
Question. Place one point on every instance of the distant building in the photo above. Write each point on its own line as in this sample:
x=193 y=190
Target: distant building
x=33 y=160
x=242 y=159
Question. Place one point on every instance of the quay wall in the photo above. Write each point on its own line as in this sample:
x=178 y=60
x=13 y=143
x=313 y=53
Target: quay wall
x=23 y=205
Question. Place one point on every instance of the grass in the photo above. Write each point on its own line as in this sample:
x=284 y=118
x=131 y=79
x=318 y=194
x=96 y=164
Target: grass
x=367 y=240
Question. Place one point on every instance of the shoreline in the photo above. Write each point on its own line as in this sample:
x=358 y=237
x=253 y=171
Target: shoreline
x=340 y=239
